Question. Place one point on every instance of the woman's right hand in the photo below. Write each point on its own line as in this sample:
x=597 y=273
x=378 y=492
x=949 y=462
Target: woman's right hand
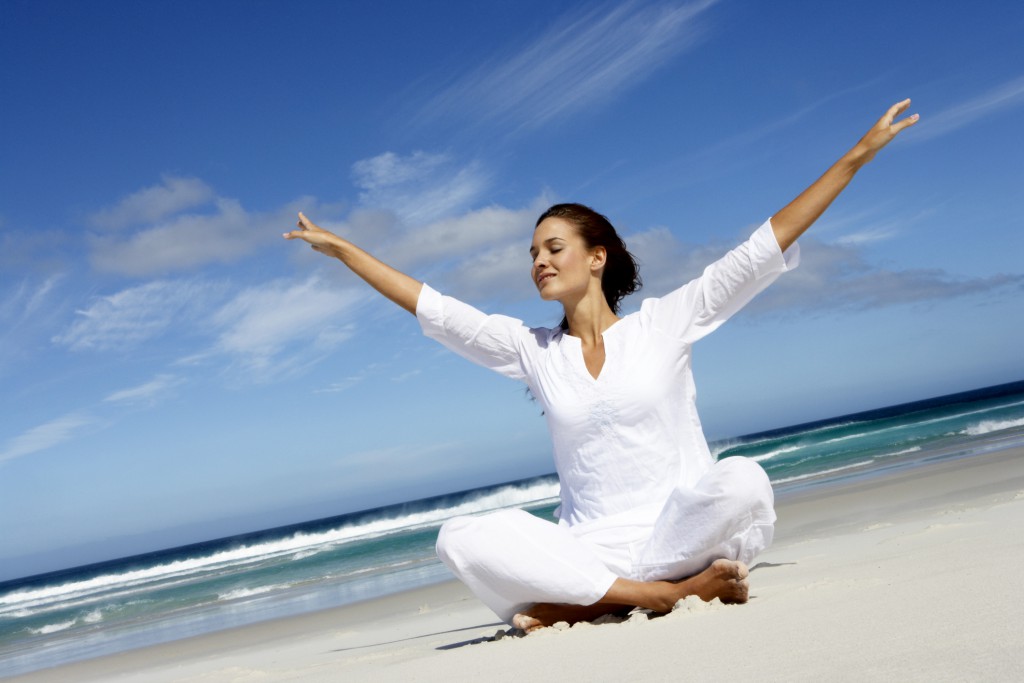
x=394 y=284
x=321 y=240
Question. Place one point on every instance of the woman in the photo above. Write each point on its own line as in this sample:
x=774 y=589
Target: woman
x=646 y=517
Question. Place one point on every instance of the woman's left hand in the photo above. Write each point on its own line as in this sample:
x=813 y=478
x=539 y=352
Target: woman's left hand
x=793 y=219
x=884 y=131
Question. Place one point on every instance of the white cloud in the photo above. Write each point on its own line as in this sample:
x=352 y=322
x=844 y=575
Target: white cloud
x=136 y=314
x=388 y=170
x=284 y=326
x=479 y=253
x=146 y=393
x=46 y=435
x=1005 y=96
x=152 y=204
x=577 y=62
x=501 y=273
x=187 y=241
x=418 y=188
x=221 y=230
x=469 y=234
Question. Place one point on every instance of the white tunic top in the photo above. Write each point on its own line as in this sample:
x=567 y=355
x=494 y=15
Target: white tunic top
x=623 y=441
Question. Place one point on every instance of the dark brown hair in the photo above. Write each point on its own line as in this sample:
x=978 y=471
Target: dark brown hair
x=621 y=276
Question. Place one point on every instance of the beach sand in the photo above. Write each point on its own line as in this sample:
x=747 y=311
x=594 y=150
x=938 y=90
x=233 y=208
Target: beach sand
x=905 y=575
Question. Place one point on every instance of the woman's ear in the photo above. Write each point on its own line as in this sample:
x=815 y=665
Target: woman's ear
x=598 y=257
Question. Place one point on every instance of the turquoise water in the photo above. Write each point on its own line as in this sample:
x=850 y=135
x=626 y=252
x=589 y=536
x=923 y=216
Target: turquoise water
x=132 y=602
x=946 y=424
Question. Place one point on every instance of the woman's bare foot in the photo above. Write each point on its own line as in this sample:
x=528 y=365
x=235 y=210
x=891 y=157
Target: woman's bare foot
x=547 y=614
x=724 y=579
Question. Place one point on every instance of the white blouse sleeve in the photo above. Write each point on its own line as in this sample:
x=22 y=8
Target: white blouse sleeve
x=699 y=307
x=496 y=342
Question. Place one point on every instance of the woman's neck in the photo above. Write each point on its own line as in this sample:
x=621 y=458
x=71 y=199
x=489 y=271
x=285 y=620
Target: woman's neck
x=589 y=318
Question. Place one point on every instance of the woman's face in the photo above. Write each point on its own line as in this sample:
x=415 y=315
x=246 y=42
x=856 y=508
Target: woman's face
x=562 y=262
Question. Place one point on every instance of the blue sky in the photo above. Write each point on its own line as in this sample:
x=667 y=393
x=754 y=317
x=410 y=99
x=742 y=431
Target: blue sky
x=172 y=370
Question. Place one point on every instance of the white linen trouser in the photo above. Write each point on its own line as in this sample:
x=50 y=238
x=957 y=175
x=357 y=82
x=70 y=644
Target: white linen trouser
x=511 y=559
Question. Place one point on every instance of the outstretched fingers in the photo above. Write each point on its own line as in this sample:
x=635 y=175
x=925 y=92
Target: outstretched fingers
x=885 y=130
x=894 y=111
x=307 y=229
x=304 y=225
x=318 y=239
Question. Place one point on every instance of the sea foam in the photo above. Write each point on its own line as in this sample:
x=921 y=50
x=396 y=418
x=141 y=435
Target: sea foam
x=989 y=426
x=362 y=527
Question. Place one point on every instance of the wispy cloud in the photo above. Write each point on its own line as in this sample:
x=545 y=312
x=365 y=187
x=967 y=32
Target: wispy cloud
x=406 y=375
x=36 y=299
x=284 y=326
x=869 y=236
x=154 y=203
x=418 y=188
x=26 y=298
x=1002 y=97
x=46 y=435
x=577 y=62
x=271 y=330
x=721 y=158
x=31 y=309
x=147 y=393
x=136 y=314
x=876 y=224
x=744 y=139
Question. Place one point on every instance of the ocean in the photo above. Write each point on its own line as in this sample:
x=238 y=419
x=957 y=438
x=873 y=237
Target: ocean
x=122 y=604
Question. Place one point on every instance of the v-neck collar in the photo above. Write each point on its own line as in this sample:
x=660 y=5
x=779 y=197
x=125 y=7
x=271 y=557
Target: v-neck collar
x=576 y=354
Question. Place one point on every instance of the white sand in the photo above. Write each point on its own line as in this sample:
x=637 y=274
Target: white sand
x=910 y=576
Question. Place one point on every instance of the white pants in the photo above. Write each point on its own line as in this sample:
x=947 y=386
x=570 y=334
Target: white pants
x=511 y=559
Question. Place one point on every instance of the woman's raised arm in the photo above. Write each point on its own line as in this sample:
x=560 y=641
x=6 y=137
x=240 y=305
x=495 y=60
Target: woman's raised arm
x=393 y=284
x=791 y=221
